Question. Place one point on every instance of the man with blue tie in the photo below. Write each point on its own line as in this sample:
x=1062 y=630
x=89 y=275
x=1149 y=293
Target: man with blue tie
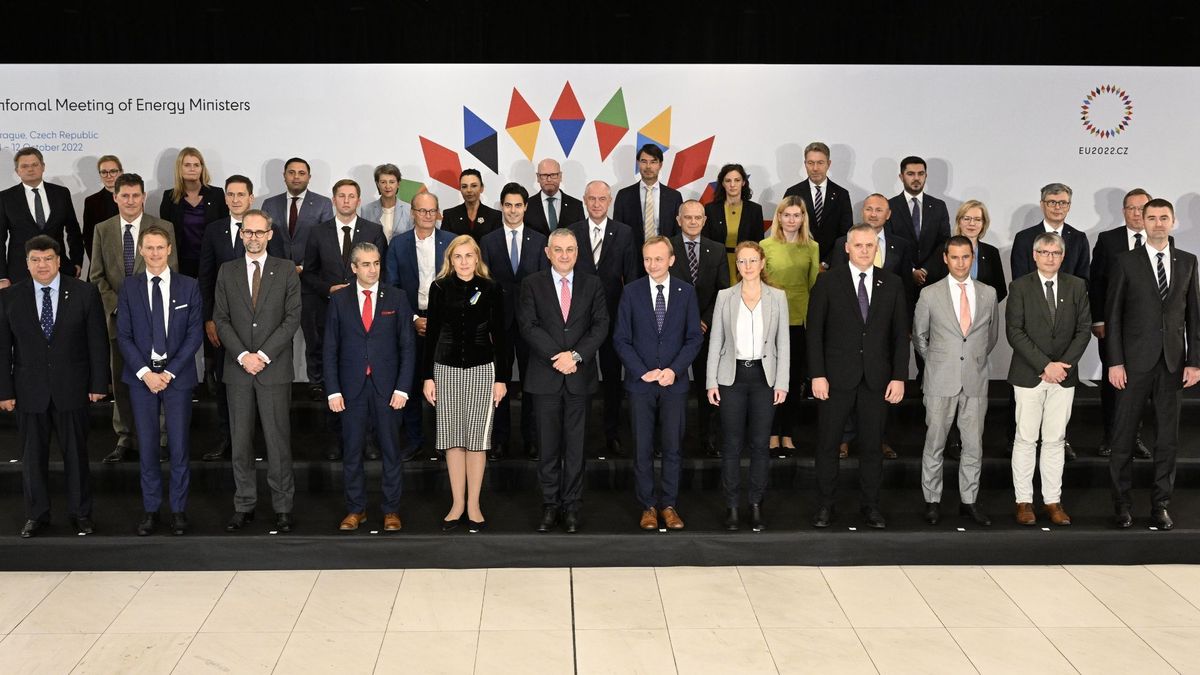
x=369 y=362
x=657 y=337
x=159 y=329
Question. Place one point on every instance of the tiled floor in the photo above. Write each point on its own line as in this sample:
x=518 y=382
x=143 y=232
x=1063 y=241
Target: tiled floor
x=1090 y=619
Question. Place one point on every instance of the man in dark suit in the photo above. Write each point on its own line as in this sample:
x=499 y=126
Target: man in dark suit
x=858 y=326
x=1110 y=245
x=1152 y=286
x=657 y=337
x=35 y=207
x=921 y=219
x=606 y=250
x=564 y=319
x=648 y=206
x=472 y=216
x=512 y=253
x=1048 y=325
x=369 y=361
x=827 y=203
x=53 y=362
x=551 y=208
x=257 y=310
x=703 y=264
x=295 y=213
x=159 y=330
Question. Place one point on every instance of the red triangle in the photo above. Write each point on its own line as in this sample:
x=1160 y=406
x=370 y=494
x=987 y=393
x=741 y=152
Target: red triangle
x=519 y=111
x=608 y=135
x=567 y=107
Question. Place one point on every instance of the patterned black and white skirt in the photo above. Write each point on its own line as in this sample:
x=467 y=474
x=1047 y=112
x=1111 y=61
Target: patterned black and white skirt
x=464 y=406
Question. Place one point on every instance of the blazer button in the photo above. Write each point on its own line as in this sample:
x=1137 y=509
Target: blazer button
x=962 y=358
x=254 y=325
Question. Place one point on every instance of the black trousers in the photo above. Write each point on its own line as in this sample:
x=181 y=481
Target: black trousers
x=71 y=426
x=704 y=410
x=747 y=410
x=312 y=323
x=789 y=413
x=561 y=427
x=871 y=409
x=612 y=388
x=502 y=420
x=1163 y=388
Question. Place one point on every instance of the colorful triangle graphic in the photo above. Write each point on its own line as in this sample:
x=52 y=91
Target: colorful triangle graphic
x=611 y=124
x=690 y=163
x=567 y=132
x=658 y=130
x=441 y=162
x=519 y=112
x=607 y=137
x=525 y=136
x=567 y=119
x=474 y=128
x=409 y=189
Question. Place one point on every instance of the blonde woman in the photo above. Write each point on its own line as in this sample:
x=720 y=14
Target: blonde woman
x=190 y=206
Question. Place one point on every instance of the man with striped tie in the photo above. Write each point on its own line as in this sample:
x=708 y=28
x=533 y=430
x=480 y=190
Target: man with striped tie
x=648 y=206
x=828 y=202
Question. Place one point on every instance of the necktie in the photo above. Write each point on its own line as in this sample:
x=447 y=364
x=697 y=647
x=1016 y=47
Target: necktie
x=514 y=258
x=564 y=299
x=48 y=312
x=127 y=249
x=660 y=308
x=916 y=217
x=864 y=303
x=345 y=249
x=1050 y=299
x=648 y=213
x=693 y=261
x=255 y=282
x=238 y=249
x=158 y=315
x=1137 y=239
x=879 y=252
x=597 y=244
x=551 y=216
x=293 y=216
x=39 y=213
x=964 y=309
x=1162 y=277
x=818 y=205
x=368 y=314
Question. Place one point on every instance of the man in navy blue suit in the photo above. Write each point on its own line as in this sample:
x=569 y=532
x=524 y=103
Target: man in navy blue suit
x=369 y=362
x=648 y=206
x=513 y=252
x=160 y=327
x=657 y=337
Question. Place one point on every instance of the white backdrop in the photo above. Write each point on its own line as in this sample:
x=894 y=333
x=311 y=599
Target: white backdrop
x=991 y=133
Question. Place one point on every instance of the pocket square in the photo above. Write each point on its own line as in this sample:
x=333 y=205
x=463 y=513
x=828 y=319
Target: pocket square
x=180 y=306
x=387 y=312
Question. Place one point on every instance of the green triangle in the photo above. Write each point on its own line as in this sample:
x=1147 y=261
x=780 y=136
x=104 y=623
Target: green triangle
x=614 y=111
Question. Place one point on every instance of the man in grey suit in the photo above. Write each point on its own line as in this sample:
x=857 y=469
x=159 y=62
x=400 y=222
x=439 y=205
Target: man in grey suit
x=956 y=318
x=1048 y=324
x=257 y=311
x=115 y=257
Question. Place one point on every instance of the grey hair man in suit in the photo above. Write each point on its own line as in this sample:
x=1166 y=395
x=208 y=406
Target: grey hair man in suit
x=257 y=311
x=1048 y=321
x=956 y=318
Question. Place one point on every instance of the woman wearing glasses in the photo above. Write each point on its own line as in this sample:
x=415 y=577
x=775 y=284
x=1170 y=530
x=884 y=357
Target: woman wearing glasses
x=972 y=222
x=101 y=206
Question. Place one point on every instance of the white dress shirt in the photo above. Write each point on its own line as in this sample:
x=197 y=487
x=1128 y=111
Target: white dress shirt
x=508 y=238
x=235 y=231
x=41 y=188
x=556 y=207
x=262 y=263
x=869 y=281
x=137 y=227
x=1166 y=260
x=666 y=284
x=164 y=289
x=657 y=201
x=956 y=294
x=749 y=327
x=426 y=267
x=597 y=237
x=812 y=192
x=1130 y=241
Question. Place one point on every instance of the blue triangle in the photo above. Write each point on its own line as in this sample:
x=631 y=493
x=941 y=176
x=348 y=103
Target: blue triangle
x=474 y=128
x=642 y=140
x=567 y=132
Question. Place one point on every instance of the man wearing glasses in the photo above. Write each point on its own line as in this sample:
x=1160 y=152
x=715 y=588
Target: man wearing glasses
x=551 y=208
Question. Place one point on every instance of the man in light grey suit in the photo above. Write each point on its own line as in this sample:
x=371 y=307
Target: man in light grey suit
x=257 y=311
x=957 y=318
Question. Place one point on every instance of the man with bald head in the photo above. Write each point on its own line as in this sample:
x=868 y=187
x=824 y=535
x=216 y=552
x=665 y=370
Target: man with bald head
x=551 y=208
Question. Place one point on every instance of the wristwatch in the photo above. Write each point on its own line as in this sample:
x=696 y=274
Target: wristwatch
x=576 y=357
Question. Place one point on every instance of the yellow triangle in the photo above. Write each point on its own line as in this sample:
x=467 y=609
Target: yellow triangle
x=659 y=128
x=525 y=136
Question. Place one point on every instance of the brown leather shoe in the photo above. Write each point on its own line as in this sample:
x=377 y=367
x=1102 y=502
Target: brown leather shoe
x=672 y=519
x=391 y=522
x=352 y=521
x=843 y=451
x=1025 y=514
x=649 y=519
x=1056 y=514
x=888 y=452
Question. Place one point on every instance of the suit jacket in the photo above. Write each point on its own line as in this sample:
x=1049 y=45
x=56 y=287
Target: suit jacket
x=628 y=209
x=584 y=330
x=219 y=246
x=898 y=259
x=991 y=270
x=267 y=327
x=1110 y=244
x=642 y=347
x=323 y=267
x=97 y=208
x=935 y=228
x=18 y=226
x=185 y=329
x=570 y=211
x=214 y=209
x=454 y=221
x=844 y=349
x=1035 y=340
x=750 y=227
x=1076 y=261
x=402 y=220
x=64 y=369
x=618 y=260
x=836 y=218
x=389 y=348
x=776 y=338
x=712 y=276
x=107 y=269
x=937 y=337
x=494 y=247
x=402 y=270
x=313 y=210
x=1141 y=326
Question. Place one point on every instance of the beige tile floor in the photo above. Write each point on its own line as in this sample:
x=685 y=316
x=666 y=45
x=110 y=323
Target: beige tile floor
x=726 y=620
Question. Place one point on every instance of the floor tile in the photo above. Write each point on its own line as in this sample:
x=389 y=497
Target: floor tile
x=1050 y=596
x=232 y=653
x=720 y=651
x=1010 y=650
x=920 y=651
x=1137 y=596
x=261 y=602
x=172 y=602
x=1107 y=650
x=818 y=650
x=44 y=653
x=705 y=597
x=20 y=592
x=879 y=597
x=340 y=653
x=350 y=600
x=134 y=653
x=617 y=598
x=85 y=602
x=792 y=597
x=439 y=600
x=428 y=653
x=1179 y=647
x=609 y=652
x=525 y=652
x=966 y=597
x=1185 y=579
x=527 y=599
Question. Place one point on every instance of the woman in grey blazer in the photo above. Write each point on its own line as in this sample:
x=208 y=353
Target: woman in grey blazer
x=748 y=368
x=389 y=210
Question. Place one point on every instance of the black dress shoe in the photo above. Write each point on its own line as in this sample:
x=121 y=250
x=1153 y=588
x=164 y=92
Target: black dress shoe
x=1105 y=450
x=448 y=525
x=284 y=522
x=731 y=519
x=756 y=518
x=549 y=519
x=1123 y=519
x=823 y=517
x=932 y=512
x=334 y=453
x=83 y=525
x=873 y=517
x=1161 y=518
x=148 y=523
x=474 y=526
x=614 y=448
x=1069 y=452
x=217 y=454
x=532 y=452
x=974 y=513
x=571 y=522
x=954 y=450
x=117 y=455
x=371 y=452
x=1140 y=451
x=238 y=520
x=179 y=523
x=31 y=528
x=496 y=453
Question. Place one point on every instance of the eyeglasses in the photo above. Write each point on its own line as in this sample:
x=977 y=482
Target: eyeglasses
x=425 y=212
x=749 y=261
x=1056 y=203
x=1049 y=254
x=110 y=172
x=971 y=219
x=549 y=176
x=255 y=234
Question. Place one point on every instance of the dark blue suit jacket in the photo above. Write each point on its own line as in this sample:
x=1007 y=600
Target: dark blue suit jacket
x=218 y=248
x=627 y=208
x=642 y=348
x=1077 y=261
x=185 y=329
x=401 y=269
x=323 y=266
x=494 y=247
x=388 y=348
